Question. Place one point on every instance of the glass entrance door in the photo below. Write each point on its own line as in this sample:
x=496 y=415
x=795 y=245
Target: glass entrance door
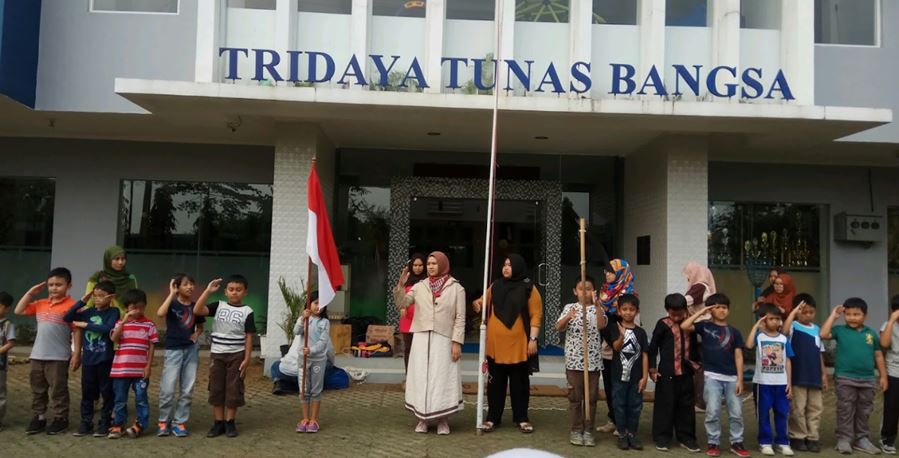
x=456 y=227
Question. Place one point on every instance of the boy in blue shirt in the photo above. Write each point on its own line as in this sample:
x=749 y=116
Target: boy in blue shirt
x=858 y=352
x=95 y=324
x=772 y=379
x=722 y=358
x=809 y=375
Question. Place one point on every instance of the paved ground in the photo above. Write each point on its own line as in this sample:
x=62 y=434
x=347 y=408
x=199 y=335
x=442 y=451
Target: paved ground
x=365 y=420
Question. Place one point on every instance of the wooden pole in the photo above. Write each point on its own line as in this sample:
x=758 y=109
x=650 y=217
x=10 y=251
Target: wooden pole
x=586 y=328
x=306 y=320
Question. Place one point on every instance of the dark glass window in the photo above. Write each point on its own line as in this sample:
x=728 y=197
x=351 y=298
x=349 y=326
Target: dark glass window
x=542 y=11
x=253 y=4
x=846 y=22
x=326 y=6
x=399 y=8
x=893 y=237
x=688 y=13
x=135 y=6
x=622 y=12
x=479 y=10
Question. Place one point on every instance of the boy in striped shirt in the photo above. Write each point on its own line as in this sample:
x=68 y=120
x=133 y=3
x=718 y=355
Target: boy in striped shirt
x=136 y=336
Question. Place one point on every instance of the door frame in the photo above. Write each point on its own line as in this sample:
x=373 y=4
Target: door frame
x=548 y=193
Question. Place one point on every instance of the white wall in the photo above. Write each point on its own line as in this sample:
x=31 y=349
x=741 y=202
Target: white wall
x=81 y=53
x=88 y=177
x=854 y=270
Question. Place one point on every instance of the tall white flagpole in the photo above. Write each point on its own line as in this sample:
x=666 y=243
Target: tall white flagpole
x=491 y=193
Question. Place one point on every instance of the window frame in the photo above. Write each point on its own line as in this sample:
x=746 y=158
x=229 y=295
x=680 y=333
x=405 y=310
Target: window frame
x=878 y=30
x=91 y=9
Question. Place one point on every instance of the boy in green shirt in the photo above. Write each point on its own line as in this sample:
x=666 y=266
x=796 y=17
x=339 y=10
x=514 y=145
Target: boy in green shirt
x=858 y=351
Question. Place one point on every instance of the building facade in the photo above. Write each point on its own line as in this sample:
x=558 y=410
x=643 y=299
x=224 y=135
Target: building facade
x=742 y=134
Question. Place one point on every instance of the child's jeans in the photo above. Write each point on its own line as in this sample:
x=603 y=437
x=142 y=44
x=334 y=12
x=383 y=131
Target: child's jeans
x=714 y=392
x=855 y=401
x=628 y=403
x=95 y=383
x=180 y=365
x=2 y=395
x=141 y=402
x=888 y=428
x=805 y=413
x=773 y=397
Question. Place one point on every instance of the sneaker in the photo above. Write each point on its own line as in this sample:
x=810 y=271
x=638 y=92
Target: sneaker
x=767 y=450
x=37 y=425
x=844 y=447
x=218 y=428
x=864 y=445
x=691 y=447
x=623 y=443
x=576 y=438
x=162 y=429
x=739 y=450
x=302 y=425
x=589 y=441
x=59 y=425
x=786 y=450
x=134 y=431
x=799 y=445
x=662 y=448
x=231 y=429
x=813 y=446
x=85 y=428
x=607 y=428
x=888 y=448
x=179 y=430
x=713 y=450
x=115 y=432
x=314 y=427
x=634 y=442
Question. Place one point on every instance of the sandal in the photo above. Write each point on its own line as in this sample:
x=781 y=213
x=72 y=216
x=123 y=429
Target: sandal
x=525 y=427
x=421 y=427
x=488 y=427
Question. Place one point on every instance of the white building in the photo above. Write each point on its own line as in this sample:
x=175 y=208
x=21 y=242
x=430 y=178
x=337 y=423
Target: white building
x=184 y=130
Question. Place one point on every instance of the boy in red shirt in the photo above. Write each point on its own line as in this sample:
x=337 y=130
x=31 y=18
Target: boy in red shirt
x=136 y=336
x=51 y=352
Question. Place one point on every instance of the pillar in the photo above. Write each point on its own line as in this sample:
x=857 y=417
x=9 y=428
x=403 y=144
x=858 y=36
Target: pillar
x=651 y=20
x=797 y=48
x=360 y=36
x=210 y=34
x=435 y=17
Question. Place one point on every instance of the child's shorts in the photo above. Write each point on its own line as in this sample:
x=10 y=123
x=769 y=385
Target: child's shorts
x=226 y=388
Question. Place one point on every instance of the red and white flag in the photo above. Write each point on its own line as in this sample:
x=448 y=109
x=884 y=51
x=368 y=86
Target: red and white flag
x=320 y=244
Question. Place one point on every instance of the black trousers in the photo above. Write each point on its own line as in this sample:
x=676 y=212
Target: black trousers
x=517 y=378
x=890 y=412
x=95 y=383
x=673 y=410
x=607 y=387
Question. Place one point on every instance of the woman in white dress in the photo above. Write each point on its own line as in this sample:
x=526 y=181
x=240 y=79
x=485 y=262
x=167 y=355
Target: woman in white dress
x=434 y=382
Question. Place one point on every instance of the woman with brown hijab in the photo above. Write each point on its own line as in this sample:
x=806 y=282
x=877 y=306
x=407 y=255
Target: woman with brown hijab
x=701 y=286
x=784 y=290
x=434 y=381
x=514 y=312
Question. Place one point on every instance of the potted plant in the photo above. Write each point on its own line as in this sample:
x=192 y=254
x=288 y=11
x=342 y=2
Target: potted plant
x=296 y=303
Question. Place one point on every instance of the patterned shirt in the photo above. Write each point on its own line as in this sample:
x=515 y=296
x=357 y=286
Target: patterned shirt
x=574 y=339
x=134 y=348
x=627 y=364
x=54 y=336
x=232 y=324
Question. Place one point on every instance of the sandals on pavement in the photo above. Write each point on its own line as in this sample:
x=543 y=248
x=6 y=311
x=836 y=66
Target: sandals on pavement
x=525 y=427
x=488 y=427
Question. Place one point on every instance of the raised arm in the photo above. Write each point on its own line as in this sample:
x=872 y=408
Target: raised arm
x=200 y=308
x=788 y=324
x=22 y=306
x=689 y=323
x=163 y=309
x=618 y=343
x=750 y=338
x=827 y=328
x=886 y=336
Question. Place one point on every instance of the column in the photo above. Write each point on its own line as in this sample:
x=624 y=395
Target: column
x=666 y=198
x=797 y=48
x=505 y=16
x=210 y=33
x=360 y=37
x=581 y=38
x=651 y=17
x=286 y=18
x=295 y=147
x=724 y=20
x=435 y=15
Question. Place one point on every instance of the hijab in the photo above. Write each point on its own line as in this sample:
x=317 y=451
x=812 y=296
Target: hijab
x=509 y=296
x=784 y=300
x=623 y=284
x=122 y=280
x=698 y=273
x=413 y=279
x=438 y=282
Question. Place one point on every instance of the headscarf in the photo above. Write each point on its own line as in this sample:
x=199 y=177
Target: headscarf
x=122 y=280
x=623 y=284
x=784 y=300
x=509 y=296
x=438 y=281
x=413 y=279
x=698 y=273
